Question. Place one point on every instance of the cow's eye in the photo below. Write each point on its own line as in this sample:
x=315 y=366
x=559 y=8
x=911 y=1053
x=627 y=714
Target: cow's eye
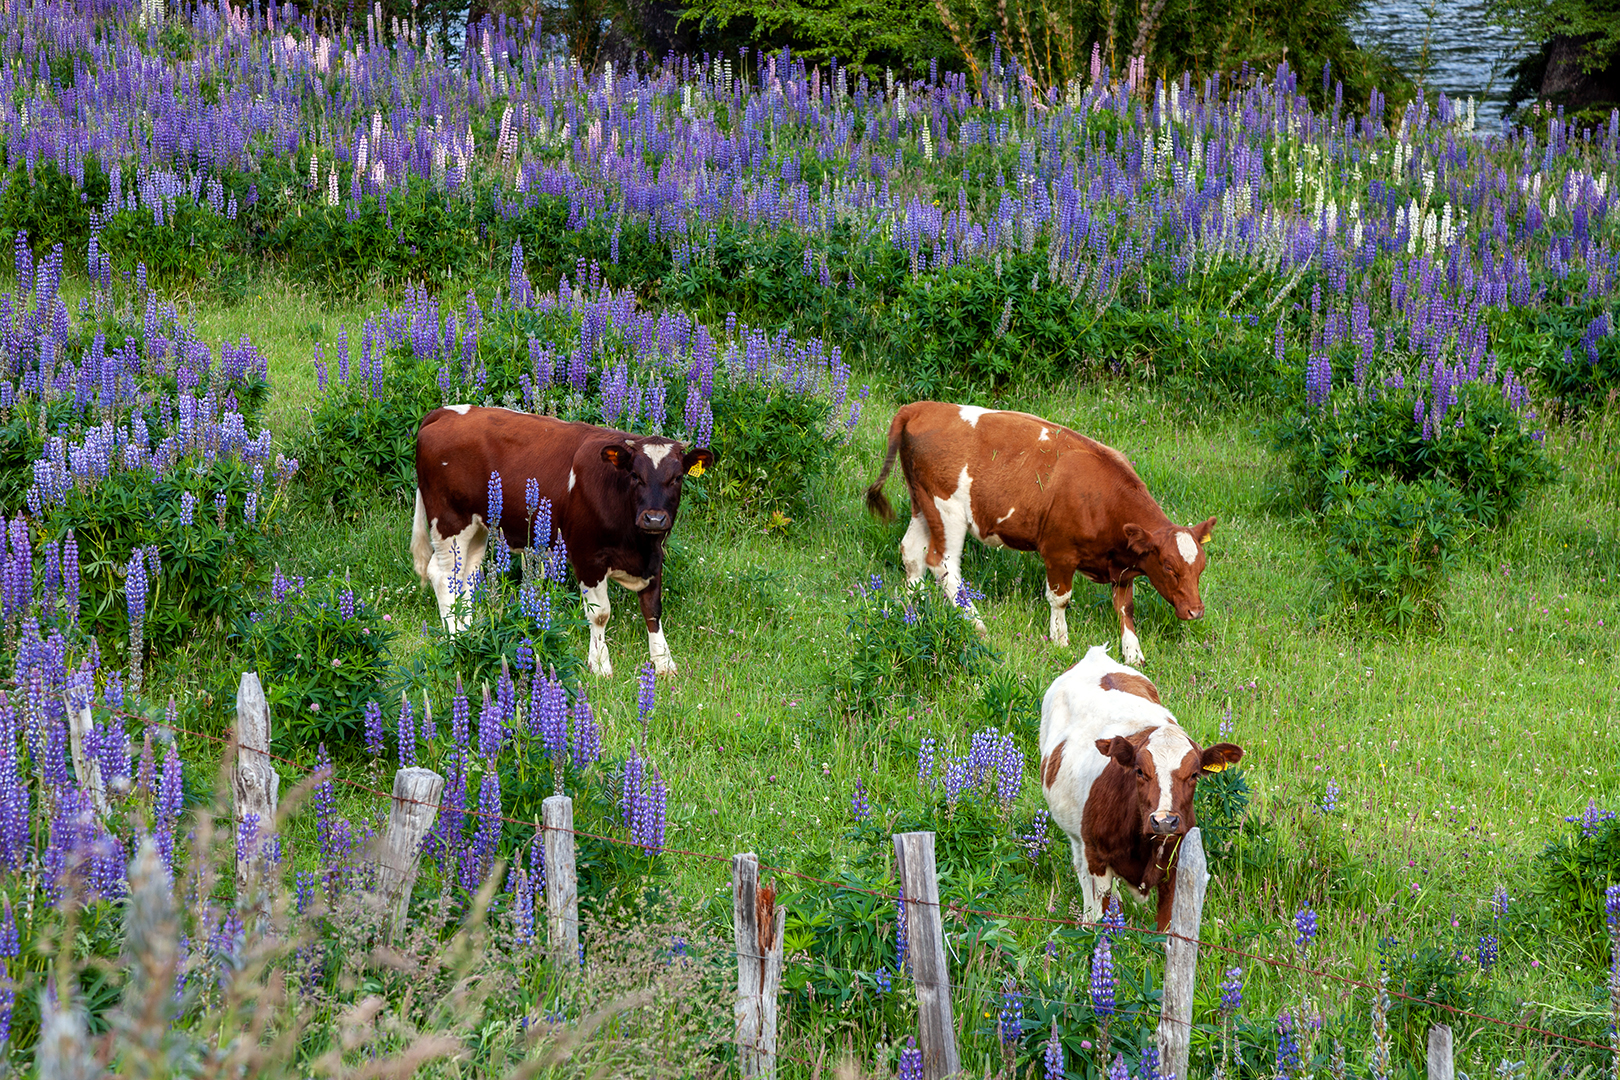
x=1140 y=775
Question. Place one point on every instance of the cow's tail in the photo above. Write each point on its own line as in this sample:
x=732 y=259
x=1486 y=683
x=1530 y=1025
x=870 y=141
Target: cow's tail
x=421 y=544
x=876 y=501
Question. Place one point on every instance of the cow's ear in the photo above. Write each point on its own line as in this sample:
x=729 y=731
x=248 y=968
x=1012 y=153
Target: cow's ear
x=1139 y=539
x=1120 y=749
x=1202 y=533
x=698 y=460
x=1221 y=755
x=617 y=454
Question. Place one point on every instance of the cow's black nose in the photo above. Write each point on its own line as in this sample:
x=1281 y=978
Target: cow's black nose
x=653 y=520
x=1164 y=823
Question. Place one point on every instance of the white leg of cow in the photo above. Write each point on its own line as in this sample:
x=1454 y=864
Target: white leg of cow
x=914 y=549
x=1091 y=896
x=598 y=611
x=658 y=649
x=453 y=562
x=421 y=542
x=1131 y=649
x=1058 y=629
x=954 y=516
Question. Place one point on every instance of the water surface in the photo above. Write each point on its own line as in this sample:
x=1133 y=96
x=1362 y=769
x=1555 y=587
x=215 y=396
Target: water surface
x=1448 y=45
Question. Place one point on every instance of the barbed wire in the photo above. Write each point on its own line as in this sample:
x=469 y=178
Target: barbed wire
x=1269 y=961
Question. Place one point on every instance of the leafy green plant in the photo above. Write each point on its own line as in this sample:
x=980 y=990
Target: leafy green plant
x=1572 y=873
x=771 y=445
x=904 y=641
x=322 y=652
x=1390 y=546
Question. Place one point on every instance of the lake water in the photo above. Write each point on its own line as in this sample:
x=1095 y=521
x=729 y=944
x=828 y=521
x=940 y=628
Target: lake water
x=1451 y=42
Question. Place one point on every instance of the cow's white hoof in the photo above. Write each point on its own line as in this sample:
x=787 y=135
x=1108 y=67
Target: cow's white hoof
x=978 y=624
x=663 y=665
x=600 y=665
x=1133 y=654
x=1061 y=639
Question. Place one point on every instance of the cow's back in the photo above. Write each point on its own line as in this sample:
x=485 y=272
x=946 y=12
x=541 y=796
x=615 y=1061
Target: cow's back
x=457 y=448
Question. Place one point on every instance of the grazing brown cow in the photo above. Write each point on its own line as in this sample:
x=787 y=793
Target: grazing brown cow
x=613 y=499
x=1015 y=480
x=1119 y=775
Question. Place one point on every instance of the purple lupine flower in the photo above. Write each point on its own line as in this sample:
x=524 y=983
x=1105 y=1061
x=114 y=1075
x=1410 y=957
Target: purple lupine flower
x=489 y=824
x=647 y=698
x=9 y=944
x=553 y=718
x=170 y=800
x=492 y=517
x=587 y=737
x=405 y=733
x=925 y=761
x=630 y=789
x=8 y=1000
x=522 y=906
x=135 y=586
x=188 y=508
x=1036 y=840
x=911 y=1061
x=506 y=698
x=902 y=934
x=1305 y=923
x=857 y=802
x=1232 y=991
x=490 y=729
x=250 y=508
x=1010 y=1024
x=1611 y=910
x=1489 y=951
x=882 y=980
x=1591 y=818
x=1287 y=1047
x=648 y=828
x=1330 y=797
x=1102 y=977
x=966 y=595
x=460 y=715
x=1499 y=903
x=374 y=729
x=346 y=604
x=1053 y=1055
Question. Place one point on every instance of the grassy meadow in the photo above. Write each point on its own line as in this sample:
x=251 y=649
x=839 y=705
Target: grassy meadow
x=1458 y=751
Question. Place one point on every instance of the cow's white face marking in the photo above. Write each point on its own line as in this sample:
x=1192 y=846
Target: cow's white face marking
x=629 y=581
x=570 y=479
x=459 y=410
x=1169 y=747
x=657 y=452
x=971 y=414
x=1187 y=546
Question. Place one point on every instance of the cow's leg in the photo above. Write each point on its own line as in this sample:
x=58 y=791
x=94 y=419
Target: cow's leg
x=1059 y=591
x=421 y=541
x=953 y=518
x=598 y=611
x=1130 y=649
x=454 y=560
x=1167 y=899
x=652 y=612
x=914 y=549
x=1093 y=888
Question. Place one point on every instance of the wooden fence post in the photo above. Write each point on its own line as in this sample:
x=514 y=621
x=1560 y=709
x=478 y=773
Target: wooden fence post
x=254 y=780
x=1440 y=1060
x=86 y=769
x=925 y=937
x=562 y=887
x=415 y=804
x=1181 y=956
x=757 y=923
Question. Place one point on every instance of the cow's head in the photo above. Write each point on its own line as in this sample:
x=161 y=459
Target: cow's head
x=1172 y=558
x=653 y=470
x=1165 y=768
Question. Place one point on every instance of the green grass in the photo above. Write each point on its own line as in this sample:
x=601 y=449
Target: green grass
x=1458 y=752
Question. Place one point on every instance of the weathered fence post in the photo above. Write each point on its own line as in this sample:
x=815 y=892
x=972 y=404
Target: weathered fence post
x=1181 y=956
x=416 y=803
x=86 y=769
x=757 y=923
x=254 y=781
x=925 y=938
x=1440 y=1061
x=562 y=887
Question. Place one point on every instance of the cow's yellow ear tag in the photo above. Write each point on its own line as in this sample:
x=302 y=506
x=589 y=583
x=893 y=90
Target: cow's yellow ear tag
x=696 y=469
x=1219 y=766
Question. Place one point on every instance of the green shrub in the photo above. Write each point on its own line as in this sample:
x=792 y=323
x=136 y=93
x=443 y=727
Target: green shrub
x=1481 y=447
x=904 y=641
x=522 y=620
x=1391 y=545
x=1572 y=874
x=322 y=653
x=770 y=445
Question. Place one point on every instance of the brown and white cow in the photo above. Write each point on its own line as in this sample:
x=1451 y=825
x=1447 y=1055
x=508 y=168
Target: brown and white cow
x=613 y=497
x=1119 y=775
x=1015 y=480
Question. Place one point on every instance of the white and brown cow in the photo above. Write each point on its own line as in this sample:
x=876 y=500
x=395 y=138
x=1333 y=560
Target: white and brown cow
x=1119 y=775
x=1015 y=480
x=613 y=498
